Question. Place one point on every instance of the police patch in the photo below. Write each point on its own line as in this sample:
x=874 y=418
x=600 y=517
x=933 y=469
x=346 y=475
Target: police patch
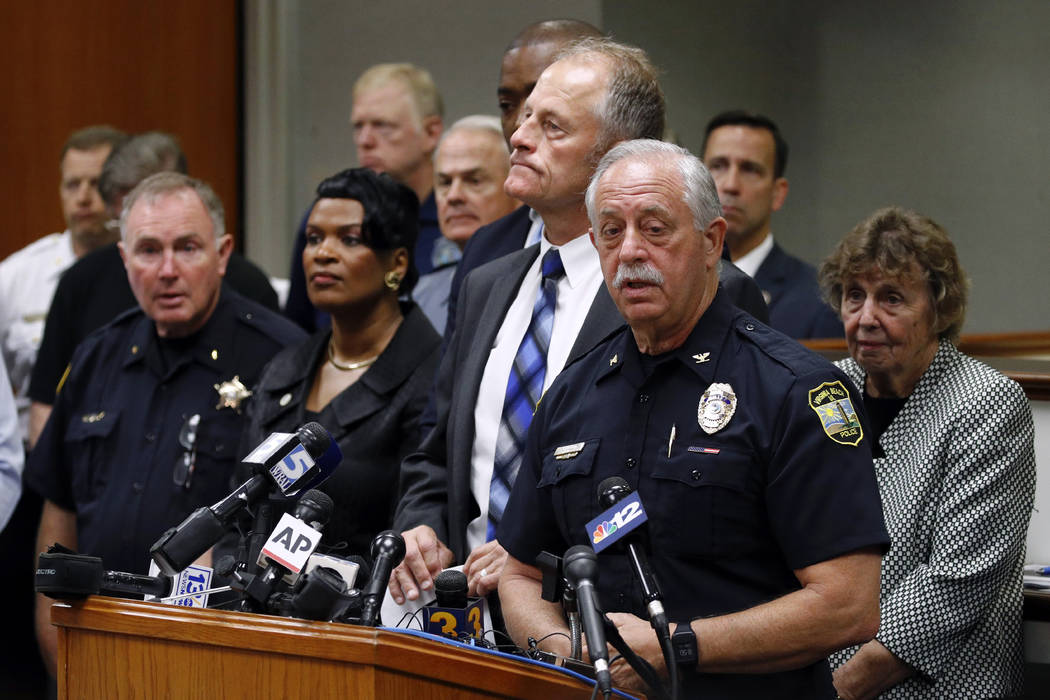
x=832 y=404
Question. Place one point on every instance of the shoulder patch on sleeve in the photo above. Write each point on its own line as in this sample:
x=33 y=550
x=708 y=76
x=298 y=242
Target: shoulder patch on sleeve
x=834 y=407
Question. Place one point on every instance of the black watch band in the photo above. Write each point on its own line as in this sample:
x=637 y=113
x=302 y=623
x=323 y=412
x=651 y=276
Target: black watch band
x=684 y=643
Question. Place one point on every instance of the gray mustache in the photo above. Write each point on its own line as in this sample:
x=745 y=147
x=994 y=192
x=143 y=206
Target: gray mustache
x=637 y=272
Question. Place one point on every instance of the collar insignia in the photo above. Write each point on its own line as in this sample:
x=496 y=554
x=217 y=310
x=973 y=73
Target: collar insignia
x=231 y=393
x=614 y=359
x=717 y=406
x=702 y=357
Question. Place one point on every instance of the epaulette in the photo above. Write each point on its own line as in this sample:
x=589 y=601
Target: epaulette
x=786 y=351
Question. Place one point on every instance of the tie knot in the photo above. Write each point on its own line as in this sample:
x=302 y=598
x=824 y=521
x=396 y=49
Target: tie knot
x=551 y=265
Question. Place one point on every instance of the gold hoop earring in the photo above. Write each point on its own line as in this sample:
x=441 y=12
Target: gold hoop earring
x=392 y=280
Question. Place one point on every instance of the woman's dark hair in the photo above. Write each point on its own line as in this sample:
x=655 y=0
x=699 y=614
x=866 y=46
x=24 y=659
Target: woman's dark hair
x=891 y=241
x=391 y=212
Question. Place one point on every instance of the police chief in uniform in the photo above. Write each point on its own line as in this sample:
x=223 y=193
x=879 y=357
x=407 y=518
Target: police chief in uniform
x=748 y=452
x=147 y=421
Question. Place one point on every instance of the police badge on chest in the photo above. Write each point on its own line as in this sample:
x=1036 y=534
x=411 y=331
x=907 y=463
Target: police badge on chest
x=717 y=406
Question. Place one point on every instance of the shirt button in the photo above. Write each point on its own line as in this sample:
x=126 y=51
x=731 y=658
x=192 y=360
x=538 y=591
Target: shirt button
x=697 y=474
x=136 y=487
x=630 y=463
x=750 y=326
x=643 y=398
x=150 y=437
x=219 y=447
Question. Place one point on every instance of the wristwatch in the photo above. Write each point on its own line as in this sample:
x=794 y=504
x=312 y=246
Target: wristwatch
x=684 y=643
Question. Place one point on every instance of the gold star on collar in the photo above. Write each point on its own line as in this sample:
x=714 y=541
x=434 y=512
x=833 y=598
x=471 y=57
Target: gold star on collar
x=231 y=393
x=702 y=357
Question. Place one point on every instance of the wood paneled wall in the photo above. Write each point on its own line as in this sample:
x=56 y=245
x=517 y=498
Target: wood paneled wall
x=138 y=65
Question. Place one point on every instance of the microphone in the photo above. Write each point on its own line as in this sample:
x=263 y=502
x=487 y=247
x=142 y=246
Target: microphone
x=388 y=549
x=286 y=462
x=65 y=575
x=612 y=491
x=453 y=614
x=581 y=570
x=290 y=545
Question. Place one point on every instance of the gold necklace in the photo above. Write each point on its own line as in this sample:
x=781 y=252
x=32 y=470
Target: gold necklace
x=349 y=366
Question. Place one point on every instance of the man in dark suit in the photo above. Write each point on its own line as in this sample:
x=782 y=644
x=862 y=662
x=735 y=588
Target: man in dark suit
x=455 y=486
x=529 y=53
x=747 y=156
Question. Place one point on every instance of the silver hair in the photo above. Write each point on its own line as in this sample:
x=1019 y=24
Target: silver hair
x=135 y=160
x=633 y=106
x=698 y=187
x=477 y=122
x=165 y=183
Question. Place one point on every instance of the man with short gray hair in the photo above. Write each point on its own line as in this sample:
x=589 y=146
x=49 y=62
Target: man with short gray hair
x=764 y=528
x=470 y=165
x=147 y=419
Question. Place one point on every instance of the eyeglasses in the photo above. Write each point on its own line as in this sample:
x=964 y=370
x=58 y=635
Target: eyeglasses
x=185 y=464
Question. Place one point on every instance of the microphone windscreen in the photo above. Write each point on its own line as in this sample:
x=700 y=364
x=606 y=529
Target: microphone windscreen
x=314 y=506
x=450 y=587
x=580 y=563
x=72 y=576
x=314 y=438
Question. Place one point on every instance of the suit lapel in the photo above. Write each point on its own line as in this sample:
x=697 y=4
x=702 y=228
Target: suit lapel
x=490 y=300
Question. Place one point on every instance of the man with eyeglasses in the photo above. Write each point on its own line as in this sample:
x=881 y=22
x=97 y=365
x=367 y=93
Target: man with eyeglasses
x=147 y=420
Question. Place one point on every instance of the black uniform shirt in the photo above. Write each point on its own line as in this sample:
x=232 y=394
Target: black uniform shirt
x=109 y=450
x=784 y=482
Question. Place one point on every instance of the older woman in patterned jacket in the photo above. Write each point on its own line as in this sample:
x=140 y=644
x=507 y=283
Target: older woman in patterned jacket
x=954 y=458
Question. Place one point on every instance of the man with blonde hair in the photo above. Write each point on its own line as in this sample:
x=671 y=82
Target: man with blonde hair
x=396 y=120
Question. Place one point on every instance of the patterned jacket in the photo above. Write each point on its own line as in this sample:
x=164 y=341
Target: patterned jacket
x=957 y=483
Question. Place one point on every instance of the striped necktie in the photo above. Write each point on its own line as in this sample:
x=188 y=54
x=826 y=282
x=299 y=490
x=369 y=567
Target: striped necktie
x=524 y=388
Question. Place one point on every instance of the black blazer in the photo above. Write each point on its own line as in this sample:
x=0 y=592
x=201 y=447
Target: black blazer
x=795 y=306
x=375 y=421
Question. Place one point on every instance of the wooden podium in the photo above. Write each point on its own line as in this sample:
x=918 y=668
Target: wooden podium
x=116 y=648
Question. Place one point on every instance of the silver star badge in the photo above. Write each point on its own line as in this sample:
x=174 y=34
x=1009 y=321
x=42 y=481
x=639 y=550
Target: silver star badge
x=231 y=393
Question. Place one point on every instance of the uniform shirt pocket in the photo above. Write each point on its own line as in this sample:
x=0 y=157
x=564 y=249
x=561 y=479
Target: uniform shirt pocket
x=567 y=470
x=85 y=447
x=712 y=499
x=217 y=439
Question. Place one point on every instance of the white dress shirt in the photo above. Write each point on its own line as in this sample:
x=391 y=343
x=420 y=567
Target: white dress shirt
x=753 y=259
x=28 y=279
